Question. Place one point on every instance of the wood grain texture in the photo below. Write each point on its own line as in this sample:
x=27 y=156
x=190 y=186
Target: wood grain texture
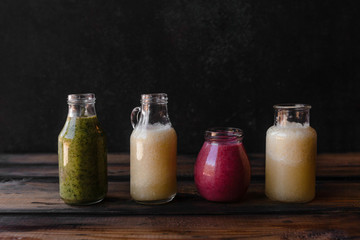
x=45 y=165
x=28 y=196
x=30 y=207
x=182 y=227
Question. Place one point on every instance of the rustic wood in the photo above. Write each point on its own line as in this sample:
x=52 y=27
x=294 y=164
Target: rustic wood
x=30 y=207
x=27 y=196
x=177 y=227
x=39 y=165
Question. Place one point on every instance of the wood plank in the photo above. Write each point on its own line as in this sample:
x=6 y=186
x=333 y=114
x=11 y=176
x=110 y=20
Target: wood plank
x=29 y=196
x=324 y=226
x=345 y=165
x=30 y=206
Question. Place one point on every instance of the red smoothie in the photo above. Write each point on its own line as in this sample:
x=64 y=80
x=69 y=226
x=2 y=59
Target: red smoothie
x=222 y=170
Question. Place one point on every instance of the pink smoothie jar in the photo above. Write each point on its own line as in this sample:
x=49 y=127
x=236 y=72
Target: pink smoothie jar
x=222 y=168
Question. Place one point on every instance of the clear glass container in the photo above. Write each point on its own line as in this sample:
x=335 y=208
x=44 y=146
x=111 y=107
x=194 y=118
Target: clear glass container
x=153 y=147
x=222 y=168
x=82 y=151
x=291 y=155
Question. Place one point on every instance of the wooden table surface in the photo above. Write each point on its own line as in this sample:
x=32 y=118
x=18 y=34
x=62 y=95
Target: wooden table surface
x=30 y=207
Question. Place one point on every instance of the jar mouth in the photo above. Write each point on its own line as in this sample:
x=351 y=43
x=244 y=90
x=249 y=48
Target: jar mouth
x=292 y=106
x=154 y=98
x=79 y=98
x=224 y=134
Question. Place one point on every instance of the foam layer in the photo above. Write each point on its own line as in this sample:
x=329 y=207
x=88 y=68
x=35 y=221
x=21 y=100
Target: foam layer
x=290 y=144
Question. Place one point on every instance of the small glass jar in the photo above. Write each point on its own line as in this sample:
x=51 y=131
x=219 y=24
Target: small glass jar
x=290 y=155
x=222 y=168
x=153 y=147
x=82 y=153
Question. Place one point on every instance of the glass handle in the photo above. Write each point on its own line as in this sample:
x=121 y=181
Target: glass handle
x=134 y=118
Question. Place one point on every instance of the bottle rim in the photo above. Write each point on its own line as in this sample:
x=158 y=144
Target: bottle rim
x=79 y=98
x=154 y=98
x=224 y=134
x=292 y=106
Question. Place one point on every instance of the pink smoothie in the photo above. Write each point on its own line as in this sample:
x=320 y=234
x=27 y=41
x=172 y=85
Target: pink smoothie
x=222 y=171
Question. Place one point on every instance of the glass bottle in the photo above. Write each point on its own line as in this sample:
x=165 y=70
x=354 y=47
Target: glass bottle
x=82 y=153
x=153 y=146
x=290 y=155
x=222 y=168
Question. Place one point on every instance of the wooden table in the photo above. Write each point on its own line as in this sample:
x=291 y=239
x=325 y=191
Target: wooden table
x=30 y=207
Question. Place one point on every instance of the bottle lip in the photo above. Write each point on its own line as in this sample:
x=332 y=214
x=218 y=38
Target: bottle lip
x=292 y=106
x=154 y=98
x=79 y=98
x=224 y=134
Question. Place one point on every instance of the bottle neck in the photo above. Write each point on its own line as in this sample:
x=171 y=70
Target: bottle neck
x=82 y=110
x=224 y=135
x=290 y=114
x=153 y=113
x=81 y=105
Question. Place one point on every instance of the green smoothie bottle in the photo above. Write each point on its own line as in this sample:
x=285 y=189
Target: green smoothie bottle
x=82 y=153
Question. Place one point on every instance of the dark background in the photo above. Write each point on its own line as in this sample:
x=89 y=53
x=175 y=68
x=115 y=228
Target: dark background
x=222 y=63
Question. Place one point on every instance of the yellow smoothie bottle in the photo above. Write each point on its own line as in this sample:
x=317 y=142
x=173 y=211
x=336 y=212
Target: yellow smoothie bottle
x=153 y=147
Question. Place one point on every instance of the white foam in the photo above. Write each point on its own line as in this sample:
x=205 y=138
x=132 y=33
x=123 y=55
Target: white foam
x=291 y=143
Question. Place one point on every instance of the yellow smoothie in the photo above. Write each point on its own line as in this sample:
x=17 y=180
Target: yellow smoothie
x=153 y=163
x=290 y=163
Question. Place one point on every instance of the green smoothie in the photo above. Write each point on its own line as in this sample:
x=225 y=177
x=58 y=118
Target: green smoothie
x=82 y=161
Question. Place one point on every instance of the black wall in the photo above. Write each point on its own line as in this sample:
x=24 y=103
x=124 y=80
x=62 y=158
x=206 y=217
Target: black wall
x=222 y=63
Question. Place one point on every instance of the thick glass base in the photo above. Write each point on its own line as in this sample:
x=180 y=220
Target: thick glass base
x=82 y=203
x=156 y=202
